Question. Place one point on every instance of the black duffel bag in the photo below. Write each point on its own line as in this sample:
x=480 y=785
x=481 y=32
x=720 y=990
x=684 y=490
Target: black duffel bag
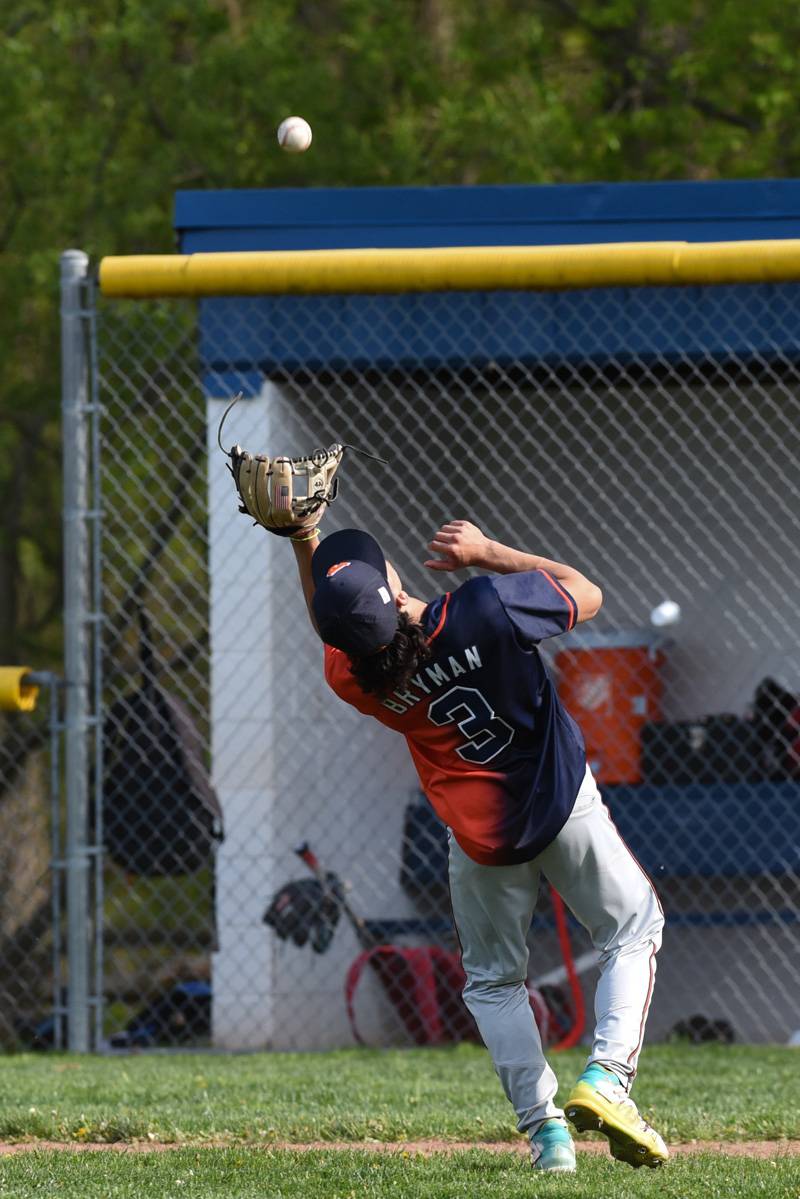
x=161 y=815
x=776 y=714
x=716 y=749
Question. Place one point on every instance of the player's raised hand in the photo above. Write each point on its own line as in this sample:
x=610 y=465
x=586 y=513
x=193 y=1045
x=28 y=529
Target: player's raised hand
x=458 y=544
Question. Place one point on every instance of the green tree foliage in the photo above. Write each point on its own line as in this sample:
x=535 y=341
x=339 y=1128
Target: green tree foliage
x=110 y=105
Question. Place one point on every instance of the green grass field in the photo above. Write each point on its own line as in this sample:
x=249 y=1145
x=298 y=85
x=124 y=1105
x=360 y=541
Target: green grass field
x=260 y=1174
x=248 y=1104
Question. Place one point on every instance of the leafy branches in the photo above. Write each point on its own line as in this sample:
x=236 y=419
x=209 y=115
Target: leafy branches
x=110 y=105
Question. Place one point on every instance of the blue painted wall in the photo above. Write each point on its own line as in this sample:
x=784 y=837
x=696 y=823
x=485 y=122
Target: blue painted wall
x=244 y=339
x=322 y=218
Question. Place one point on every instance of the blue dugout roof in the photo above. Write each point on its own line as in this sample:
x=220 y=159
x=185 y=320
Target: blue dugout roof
x=363 y=332
x=551 y=214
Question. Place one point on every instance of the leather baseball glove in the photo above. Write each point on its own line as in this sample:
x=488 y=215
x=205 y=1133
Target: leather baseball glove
x=308 y=909
x=286 y=496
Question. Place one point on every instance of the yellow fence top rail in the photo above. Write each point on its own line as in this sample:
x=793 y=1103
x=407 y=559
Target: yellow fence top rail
x=470 y=268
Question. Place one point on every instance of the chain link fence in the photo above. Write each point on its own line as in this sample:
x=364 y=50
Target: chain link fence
x=648 y=436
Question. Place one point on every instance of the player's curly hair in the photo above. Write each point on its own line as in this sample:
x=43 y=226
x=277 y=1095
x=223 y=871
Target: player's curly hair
x=393 y=667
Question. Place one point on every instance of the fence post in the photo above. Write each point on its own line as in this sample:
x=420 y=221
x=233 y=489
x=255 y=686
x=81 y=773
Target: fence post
x=74 y=265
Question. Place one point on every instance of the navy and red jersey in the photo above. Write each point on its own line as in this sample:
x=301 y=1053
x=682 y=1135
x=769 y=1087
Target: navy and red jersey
x=499 y=758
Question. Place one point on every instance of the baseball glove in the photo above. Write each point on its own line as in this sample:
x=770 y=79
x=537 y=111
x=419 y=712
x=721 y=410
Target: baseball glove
x=286 y=496
x=307 y=910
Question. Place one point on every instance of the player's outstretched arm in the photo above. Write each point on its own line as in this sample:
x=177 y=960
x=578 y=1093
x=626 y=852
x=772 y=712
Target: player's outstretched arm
x=459 y=544
x=304 y=552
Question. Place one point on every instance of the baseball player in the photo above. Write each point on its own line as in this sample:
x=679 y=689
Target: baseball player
x=504 y=766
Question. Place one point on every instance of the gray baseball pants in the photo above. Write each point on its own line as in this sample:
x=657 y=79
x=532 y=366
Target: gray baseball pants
x=606 y=890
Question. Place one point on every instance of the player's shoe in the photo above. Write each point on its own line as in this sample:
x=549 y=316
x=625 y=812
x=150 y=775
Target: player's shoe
x=552 y=1150
x=599 y=1103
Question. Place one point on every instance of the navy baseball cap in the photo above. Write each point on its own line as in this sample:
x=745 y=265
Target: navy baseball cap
x=353 y=604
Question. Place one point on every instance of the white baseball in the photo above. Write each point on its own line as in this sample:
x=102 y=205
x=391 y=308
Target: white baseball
x=666 y=613
x=294 y=135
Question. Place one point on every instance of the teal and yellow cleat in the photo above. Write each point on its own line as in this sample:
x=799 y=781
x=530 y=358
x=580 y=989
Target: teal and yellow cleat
x=599 y=1103
x=552 y=1150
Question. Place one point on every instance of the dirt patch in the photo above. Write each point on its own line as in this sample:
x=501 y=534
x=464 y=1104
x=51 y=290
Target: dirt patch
x=426 y=1148
x=761 y=1149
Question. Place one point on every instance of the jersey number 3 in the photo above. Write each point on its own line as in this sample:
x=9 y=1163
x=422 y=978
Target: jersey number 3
x=485 y=735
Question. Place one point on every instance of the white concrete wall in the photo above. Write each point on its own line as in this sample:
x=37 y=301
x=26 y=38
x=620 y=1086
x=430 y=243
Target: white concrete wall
x=241 y=633
x=290 y=763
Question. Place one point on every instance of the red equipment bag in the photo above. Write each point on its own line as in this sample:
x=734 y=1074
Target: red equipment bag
x=424 y=984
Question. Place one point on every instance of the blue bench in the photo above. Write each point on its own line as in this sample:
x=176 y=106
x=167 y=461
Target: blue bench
x=701 y=831
x=715 y=829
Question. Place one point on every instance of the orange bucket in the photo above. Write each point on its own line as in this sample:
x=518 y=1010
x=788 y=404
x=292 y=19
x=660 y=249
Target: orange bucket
x=611 y=684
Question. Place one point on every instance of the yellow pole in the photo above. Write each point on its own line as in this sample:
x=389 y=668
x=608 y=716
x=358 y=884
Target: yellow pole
x=469 y=268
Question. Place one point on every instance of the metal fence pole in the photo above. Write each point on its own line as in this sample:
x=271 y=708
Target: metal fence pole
x=74 y=264
x=95 y=523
